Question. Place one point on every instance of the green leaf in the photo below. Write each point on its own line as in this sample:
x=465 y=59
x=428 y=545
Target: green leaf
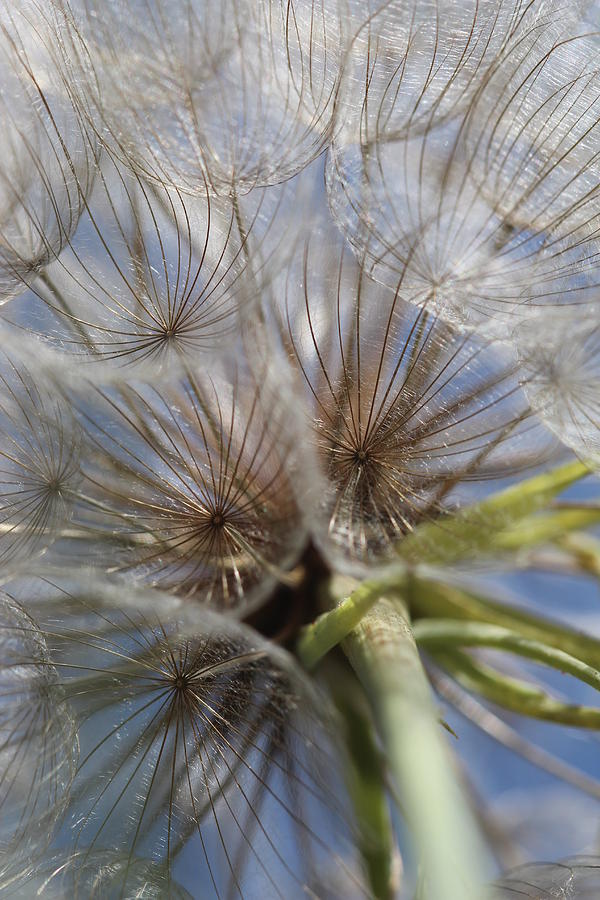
x=585 y=549
x=430 y=598
x=330 y=628
x=514 y=694
x=474 y=530
x=439 y=634
x=502 y=522
x=547 y=527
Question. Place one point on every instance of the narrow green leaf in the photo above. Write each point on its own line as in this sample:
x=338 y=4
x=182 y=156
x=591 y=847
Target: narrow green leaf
x=546 y=527
x=330 y=628
x=473 y=530
x=439 y=634
x=429 y=598
x=514 y=694
x=503 y=521
x=585 y=548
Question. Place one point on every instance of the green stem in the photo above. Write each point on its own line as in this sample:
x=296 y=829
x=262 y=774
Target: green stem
x=383 y=653
x=330 y=628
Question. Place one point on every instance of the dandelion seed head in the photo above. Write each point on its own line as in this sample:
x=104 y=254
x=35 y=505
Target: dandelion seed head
x=47 y=162
x=577 y=876
x=199 y=740
x=422 y=61
x=229 y=386
x=239 y=94
x=38 y=747
x=403 y=409
x=562 y=376
x=155 y=278
x=445 y=245
x=101 y=874
x=194 y=476
x=532 y=131
x=484 y=214
x=39 y=460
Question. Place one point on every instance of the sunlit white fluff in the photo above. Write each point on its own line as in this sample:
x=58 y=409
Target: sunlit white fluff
x=402 y=410
x=560 y=362
x=38 y=747
x=237 y=93
x=47 y=162
x=189 y=479
x=203 y=748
